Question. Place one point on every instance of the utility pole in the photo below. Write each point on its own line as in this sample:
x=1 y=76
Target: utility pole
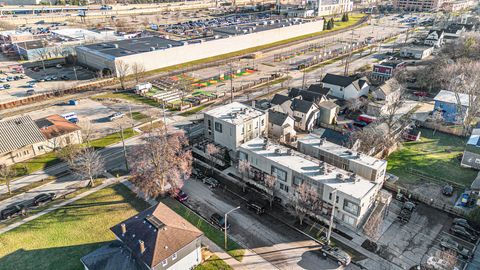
x=303 y=78
x=330 y=226
x=226 y=223
x=124 y=148
x=231 y=83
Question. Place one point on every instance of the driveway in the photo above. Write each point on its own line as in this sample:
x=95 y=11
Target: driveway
x=275 y=242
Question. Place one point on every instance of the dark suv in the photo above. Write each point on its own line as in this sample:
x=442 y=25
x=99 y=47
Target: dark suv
x=43 y=198
x=17 y=209
x=257 y=207
x=219 y=221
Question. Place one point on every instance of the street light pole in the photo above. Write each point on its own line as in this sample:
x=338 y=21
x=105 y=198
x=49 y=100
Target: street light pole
x=225 y=228
x=330 y=226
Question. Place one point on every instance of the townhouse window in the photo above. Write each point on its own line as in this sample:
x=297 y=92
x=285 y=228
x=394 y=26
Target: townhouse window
x=174 y=256
x=349 y=220
x=297 y=181
x=209 y=124
x=331 y=195
x=164 y=262
x=284 y=187
x=279 y=173
x=40 y=147
x=243 y=130
x=218 y=127
x=263 y=122
x=351 y=207
x=242 y=156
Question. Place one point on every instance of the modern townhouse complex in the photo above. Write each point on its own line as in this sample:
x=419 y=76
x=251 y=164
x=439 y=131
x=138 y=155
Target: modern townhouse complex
x=368 y=167
x=418 y=5
x=354 y=194
x=233 y=124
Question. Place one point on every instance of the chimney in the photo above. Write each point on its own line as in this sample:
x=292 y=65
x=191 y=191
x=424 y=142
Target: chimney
x=142 y=246
x=124 y=228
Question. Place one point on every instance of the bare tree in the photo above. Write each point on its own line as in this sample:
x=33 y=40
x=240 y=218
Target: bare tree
x=185 y=88
x=69 y=152
x=212 y=151
x=393 y=104
x=436 y=119
x=305 y=201
x=355 y=104
x=463 y=78
x=162 y=164
x=244 y=169
x=449 y=256
x=270 y=182
x=138 y=70
x=372 y=138
x=6 y=174
x=467 y=46
x=88 y=163
x=123 y=69
x=372 y=225
x=87 y=131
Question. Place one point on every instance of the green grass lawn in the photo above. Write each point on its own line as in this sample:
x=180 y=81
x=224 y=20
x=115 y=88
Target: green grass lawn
x=35 y=164
x=212 y=233
x=214 y=263
x=130 y=97
x=138 y=116
x=112 y=138
x=59 y=239
x=435 y=155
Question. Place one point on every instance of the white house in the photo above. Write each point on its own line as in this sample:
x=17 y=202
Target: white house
x=233 y=124
x=353 y=194
x=281 y=126
x=305 y=113
x=346 y=87
x=434 y=38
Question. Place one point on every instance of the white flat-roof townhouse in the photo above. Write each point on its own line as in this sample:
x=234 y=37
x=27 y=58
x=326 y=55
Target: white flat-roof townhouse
x=365 y=166
x=233 y=124
x=354 y=194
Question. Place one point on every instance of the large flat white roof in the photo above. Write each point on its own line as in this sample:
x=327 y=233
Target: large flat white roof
x=310 y=167
x=450 y=97
x=84 y=34
x=235 y=113
x=313 y=140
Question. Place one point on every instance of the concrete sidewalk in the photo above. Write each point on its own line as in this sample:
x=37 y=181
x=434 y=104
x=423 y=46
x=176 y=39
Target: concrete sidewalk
x=250 y=260
x=105 y=183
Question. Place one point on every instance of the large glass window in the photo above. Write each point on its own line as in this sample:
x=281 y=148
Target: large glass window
x=279 y=173
x=218 y=127
x=351 y=207
x=242 y=156
x=297 y=181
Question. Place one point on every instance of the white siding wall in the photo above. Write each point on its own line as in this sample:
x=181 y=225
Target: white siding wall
x=189 y=261
x=177 y=55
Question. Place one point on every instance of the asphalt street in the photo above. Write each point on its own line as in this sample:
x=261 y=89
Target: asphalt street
x=274 y=241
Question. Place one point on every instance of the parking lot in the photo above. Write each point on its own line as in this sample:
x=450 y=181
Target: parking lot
x=269 y=238
x=37 y=80
x=413 y=243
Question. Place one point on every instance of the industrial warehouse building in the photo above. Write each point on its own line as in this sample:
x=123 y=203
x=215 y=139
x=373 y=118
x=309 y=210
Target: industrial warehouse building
x=156 y=52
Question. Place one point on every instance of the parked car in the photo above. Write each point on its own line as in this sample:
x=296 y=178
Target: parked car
x=406 y=212
x=43 y=198
x=11 y=211
x=449 y=244
x=335 y=253
x=116 y=115
x=256 y=206
x=181 y=196
x=30 y=92
x=219 y=221
x=198 y=175
x=209 y=181
x=463 y=233
x=447 y=190
x=464 y=223
x=10 y=78
x=3 y=79
x=59 y=66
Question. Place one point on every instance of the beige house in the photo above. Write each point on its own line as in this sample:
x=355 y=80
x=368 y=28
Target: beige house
x=281 y=126
x=23 y=138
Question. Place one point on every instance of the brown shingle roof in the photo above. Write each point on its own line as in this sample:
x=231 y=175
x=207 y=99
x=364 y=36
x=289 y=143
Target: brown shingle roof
x=17 y=133
x=54 y=125
x=162 y=230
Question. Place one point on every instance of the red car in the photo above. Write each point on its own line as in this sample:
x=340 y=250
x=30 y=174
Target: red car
x=420 y=93
x=366 y=118
x=181 y=196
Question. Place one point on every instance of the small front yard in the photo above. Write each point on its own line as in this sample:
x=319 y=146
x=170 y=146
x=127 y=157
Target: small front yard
x=214 y=263
x=436 y=155
x=59 y=239
x=112 y=138
x=212 y=233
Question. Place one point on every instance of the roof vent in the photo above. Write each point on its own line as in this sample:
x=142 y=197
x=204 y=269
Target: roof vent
x=124 y=228
x=289 y=152
x=340 y=176
x=152 y=48
x=142 y=246
x=277 y=150
x=115 y=46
